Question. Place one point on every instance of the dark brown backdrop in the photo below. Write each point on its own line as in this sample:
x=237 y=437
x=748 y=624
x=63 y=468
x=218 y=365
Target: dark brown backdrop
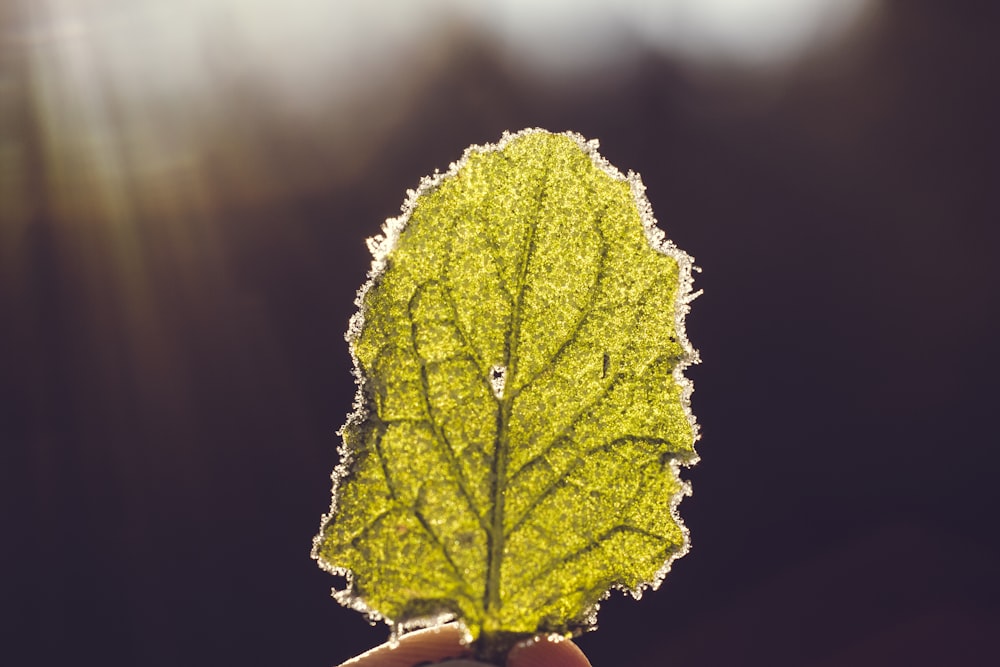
x=172 y=380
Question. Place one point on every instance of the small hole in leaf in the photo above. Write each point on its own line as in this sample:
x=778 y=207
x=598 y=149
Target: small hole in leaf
x=498 y=378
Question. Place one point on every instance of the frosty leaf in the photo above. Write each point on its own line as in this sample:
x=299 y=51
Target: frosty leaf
x=521 y=414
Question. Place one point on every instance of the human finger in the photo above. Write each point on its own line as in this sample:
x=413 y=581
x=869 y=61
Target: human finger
x=550 y=651
x=421 y=646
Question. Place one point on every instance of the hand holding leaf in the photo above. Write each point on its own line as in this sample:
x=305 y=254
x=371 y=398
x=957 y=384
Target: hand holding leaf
x=522 y=413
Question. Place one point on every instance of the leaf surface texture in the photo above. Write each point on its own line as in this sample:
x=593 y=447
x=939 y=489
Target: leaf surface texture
x=522 y=415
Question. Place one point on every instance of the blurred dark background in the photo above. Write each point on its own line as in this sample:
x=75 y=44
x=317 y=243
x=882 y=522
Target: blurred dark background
x=184 y=198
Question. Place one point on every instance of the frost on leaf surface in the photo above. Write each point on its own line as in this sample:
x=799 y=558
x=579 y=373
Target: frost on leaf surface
x=522 y=413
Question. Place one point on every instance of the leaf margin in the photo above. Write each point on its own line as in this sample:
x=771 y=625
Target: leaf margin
x=381 y=246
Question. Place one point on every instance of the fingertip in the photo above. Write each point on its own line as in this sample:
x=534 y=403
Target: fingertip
x=421 y=646
x=548 y=651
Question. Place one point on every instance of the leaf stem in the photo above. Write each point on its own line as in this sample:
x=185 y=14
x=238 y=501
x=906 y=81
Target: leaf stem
x=493 y=647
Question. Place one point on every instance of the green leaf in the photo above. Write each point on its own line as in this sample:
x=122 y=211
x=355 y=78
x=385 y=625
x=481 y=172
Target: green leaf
x=522 y=413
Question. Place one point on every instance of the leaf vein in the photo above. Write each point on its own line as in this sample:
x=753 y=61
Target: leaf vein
x=585 y=312
x=595 y=543
x=495 y=532
x=559 y=480
x=436 y=429
x=422 y=520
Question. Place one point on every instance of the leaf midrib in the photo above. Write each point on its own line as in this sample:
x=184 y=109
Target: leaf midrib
x=495 y=536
